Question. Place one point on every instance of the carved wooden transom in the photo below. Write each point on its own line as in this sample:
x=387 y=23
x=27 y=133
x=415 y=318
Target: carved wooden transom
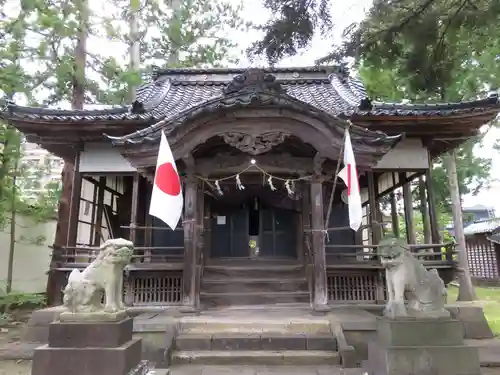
x=254 y=144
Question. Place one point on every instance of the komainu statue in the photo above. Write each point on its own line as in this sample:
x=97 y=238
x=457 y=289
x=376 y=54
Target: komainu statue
x=407 y=277
x=83 y=293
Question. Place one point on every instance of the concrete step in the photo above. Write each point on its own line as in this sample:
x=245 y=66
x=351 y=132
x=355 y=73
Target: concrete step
x=245 y=285
x=255 y=341
x=254 y=270
x=211 y=300
x=256 y=357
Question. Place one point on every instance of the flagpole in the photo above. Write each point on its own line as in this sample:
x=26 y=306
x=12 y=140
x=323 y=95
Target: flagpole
x=335 y=180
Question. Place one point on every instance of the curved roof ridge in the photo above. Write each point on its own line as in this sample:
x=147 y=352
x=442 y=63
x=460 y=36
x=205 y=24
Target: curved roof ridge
x=65 y=112
x=344 y=87
x=158 y=91
x=158 y=72
x=238 y=98
x=491 y=99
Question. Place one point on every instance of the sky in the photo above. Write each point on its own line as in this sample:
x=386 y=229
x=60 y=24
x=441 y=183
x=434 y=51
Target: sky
x=344 y=13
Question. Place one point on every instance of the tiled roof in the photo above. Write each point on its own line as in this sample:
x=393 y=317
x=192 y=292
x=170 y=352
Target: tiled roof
x=335 y=96
x=485 y=226
x=174 y=91
x=495 y=237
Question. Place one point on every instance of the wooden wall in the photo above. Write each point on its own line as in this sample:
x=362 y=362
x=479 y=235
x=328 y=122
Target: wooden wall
x=483 y=258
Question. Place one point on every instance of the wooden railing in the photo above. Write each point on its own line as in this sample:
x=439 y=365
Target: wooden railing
x=358 y=277
x=352 y=277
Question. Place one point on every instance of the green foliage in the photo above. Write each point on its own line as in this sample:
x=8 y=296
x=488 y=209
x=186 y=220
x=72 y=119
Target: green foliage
x=389 y=84
x=188 y=35
x=16 y=300
x=291 y=27
x=443 y=219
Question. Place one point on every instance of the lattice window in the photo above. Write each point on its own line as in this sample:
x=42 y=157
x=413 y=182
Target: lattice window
x=156 y=289
x=149 y=288
x=368 y=288
x=483 y=261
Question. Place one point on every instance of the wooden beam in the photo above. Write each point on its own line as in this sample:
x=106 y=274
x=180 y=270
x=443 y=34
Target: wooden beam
x=228 y=164
x=74 y=210
x=100 y=209
x=466 y=289
x=372 y=201
x=92 y=180
x=93 y=214
x=200 y=230
x=401 y=180
x=148 y=235
x=135 y=207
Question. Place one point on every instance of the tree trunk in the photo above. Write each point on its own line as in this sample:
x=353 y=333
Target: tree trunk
x=408 y=208
x=12 y=242
x=173 y=56
x=466 y=290
x=67 y=175
x=135 y=44
x=394 y=216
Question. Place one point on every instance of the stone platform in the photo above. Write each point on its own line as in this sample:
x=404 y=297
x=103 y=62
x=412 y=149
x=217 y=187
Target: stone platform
x=88 y=348
x=425 y=346
x=158 y=327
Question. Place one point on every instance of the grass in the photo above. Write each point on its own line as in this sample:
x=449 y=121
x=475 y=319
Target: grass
x=489 y=299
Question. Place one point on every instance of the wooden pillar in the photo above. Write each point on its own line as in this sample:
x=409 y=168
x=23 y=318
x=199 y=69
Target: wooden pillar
x=375 y=229
x=100 y=208
x=74 y=210
x=394 y=215
x=200 y=230
x=423 y=210
x=307 y=238
x=148 y=235
x=408 y=208
x=93 y=214
x=318 y=238
x=466 y=290
x=190 y=236
x=128 y=279
x=306 y=223
x=134 y=208
x=431 y=200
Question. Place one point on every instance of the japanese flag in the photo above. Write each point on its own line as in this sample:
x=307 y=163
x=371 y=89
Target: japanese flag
x=350 y=177
x=166 y=199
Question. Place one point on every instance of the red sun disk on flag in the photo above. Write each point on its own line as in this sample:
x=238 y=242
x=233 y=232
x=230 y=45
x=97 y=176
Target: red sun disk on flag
x=167 y=179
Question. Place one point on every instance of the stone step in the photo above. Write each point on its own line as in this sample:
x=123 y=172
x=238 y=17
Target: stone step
x=211 y=300
x=240 y=325
x=255 y=341
x=256 y=357
x=244 y=285
x=254 y=270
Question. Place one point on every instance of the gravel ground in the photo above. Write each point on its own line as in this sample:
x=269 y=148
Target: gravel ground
x=24 y=368
x=15 y=367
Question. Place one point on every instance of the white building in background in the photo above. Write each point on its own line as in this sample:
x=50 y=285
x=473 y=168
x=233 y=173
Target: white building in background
x=43 y=166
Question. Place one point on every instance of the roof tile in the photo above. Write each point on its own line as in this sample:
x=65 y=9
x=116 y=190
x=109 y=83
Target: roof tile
x=173 y=91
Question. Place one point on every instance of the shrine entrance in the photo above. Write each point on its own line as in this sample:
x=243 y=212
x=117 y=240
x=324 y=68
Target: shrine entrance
x=252 y=226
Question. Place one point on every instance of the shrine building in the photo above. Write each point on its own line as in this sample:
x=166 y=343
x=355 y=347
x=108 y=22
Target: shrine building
x=257 y=151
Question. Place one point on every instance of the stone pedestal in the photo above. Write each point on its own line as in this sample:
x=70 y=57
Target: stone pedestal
x=409 y=346
x=88 y=348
